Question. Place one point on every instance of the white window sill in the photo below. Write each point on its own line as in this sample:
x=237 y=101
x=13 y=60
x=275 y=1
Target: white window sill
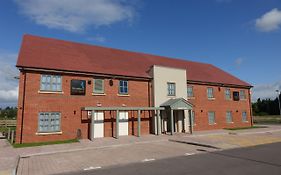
x=229 y=122
x=96 y=94
x=171 y=96
x=211 y=98
x=48 y=133
x=245 y=121
x=191 y=98
x=50 y=92
x=213 y=124
x=123 y=95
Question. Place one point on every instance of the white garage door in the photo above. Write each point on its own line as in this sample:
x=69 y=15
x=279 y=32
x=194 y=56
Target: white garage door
x=123 y=123
x=98 y=125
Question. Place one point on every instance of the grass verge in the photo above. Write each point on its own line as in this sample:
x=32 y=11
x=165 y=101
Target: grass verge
x=44 y=143
x=249 y=127
x=267 y=119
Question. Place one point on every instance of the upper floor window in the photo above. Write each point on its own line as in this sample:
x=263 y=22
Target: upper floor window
x=236 y=96
x=171 y=89
x=50 y=83
x=123 y=87
x=229 y=117
x=190 y=91
x=211 y=118
x=98 y=86
x=242 y=94
x=49 y=122
x=227 y=94
x=210 y=92
x=244 y=116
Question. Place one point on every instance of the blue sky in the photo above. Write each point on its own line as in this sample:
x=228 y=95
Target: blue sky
x=241 y=37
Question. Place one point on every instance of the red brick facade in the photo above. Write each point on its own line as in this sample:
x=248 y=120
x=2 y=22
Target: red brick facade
x=220 y=105
x=72 y=118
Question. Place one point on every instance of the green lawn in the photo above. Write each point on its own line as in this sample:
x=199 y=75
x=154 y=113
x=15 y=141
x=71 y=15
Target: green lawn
x=267 y=119
x=44 y=143
x=241 y=128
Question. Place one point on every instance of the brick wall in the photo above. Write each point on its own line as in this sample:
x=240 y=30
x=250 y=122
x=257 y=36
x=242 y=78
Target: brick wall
x=72 y=118
x=219 y=105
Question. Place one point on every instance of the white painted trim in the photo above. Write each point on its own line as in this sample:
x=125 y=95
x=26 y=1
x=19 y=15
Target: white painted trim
x=123 y=95
x=48 y=133
x=50 y=92
x=96 y=94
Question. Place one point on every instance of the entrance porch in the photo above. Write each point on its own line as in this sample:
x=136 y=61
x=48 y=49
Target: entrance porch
x=177 y=116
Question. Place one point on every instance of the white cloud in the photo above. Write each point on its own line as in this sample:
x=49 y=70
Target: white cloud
x=97 y=38
x=9 y=95
x=77 y=15
x=8 y=85
x=266 y=90
x=270 y=21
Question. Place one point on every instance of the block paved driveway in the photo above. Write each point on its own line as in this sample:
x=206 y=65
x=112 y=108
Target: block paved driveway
x=107 y=152
x=95 y=158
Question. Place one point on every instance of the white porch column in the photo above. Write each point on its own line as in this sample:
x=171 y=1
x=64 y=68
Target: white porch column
x=117 y=124
x=158 y=122
x=92 y=125
x=186 y=121
x=172 y=122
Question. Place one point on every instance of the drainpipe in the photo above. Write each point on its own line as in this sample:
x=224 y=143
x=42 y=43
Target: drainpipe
x=23 y=104
x=251 y=112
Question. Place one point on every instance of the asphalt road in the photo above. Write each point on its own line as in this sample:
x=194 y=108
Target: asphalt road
x=258 y=160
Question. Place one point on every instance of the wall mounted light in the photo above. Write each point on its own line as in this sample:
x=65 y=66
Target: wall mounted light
x=111 y=82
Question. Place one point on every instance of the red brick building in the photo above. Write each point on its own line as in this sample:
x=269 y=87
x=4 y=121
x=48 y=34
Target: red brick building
x=69 y=90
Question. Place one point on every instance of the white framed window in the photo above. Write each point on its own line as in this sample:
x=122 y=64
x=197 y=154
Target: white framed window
x=98 y=86
x=242 y=95
x=211 y=118
x=190 y=91
x=171 y=89
x=210 y=92
x=51 y=83
x=49 y=122
x=244 y=116
x=123 y=87
x=229 y=117
x=227 y=94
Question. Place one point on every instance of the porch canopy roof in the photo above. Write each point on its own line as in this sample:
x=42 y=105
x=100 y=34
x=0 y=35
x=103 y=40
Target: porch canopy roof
x=178 y=104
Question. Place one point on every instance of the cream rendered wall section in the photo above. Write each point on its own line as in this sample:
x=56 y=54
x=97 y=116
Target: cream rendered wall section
x=161 y=76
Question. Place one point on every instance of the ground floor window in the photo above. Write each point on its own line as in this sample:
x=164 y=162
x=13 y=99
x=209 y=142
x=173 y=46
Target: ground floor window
x=229 y=117
x=211 y=117
x=49 y=122
x=244 y=116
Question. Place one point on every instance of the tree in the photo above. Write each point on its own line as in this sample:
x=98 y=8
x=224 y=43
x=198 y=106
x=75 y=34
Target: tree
x=266 y=107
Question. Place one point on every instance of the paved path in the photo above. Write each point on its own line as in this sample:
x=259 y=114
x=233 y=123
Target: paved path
x=61 y=155
x=8 y=157
x=258 y=160
x=93 y=158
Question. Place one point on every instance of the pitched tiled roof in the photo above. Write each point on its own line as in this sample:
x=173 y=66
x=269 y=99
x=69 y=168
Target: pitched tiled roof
x=48 y=53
